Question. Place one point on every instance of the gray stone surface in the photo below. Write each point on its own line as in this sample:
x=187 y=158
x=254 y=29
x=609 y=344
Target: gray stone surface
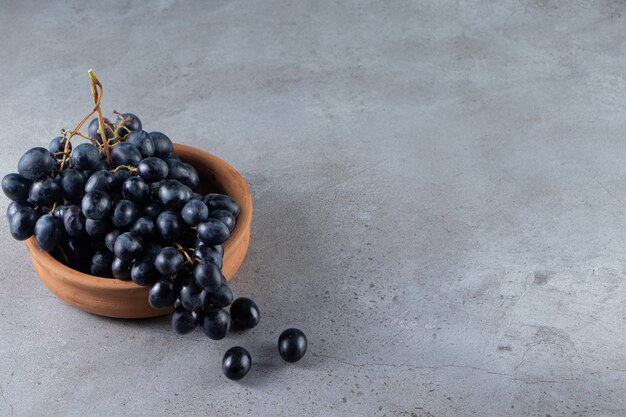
x=439 y=204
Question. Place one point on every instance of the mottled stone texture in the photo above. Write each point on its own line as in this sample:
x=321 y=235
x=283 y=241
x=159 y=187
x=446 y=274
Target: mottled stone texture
x=439 y=193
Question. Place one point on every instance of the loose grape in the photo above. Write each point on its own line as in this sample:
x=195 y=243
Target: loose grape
x=236 y=363
x=292 y=345
x=244 y=313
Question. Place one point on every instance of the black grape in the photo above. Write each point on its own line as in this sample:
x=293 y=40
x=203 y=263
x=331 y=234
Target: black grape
x=213 y=232
x=74 y=221
x=101 y=263
x=215 y=322
x=16 y=187
x=236 y=363
x=244 y=313
x=169 y=261
x=208 y=276
x=194 y=212
x=73 y=185
x=96 y=205
x=100 y=181
x=184 y=321
x=125 y=154
x=169 y=225
x=35 y=163
x=57 y=145
x=49 y=232
x=136 y=190
x=85 y=157
x=127 y=246
x=142 y=140
x=124 y=214
x=44 y=192
x=152 y=169
x=162 y=294
x=162 y=144
x=225 y=217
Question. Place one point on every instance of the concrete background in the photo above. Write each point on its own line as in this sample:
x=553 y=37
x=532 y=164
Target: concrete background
x=439 y=193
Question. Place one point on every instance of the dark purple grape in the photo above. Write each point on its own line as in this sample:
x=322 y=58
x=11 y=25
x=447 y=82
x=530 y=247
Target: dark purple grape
x=142 y=140
x=153 y=209
x=129 y=122
x=57 y=145
x=223 y=297
x=222 y=202
x=96 y=205
x=125 y=154
x=194 y=212
x=44 y=192
x=162 y=294
x=14 y=207
x=292 y=345
x=209 y=253
x=225 y=217
x=36 y=163
x=143 y=271
x=100 y=181
x=136 y=190
x=208 y=276
x=191 y=296
x=73 y=185
x=215 y=322
x=85 y=157
x=244 y=313
x=152 y=169
x=128 y=246
x=74 y=221
x=143 y=227
x=110 y=238
x=162 y=144
x=183 y=321
x=16 y=187
x=59 y=211
x=101 y=263
x=174 y=194
x=213 y=232
x=97 y=228
x=125 y=213
x=49 y=232
x=169 y=261
x=236 y=363
x=169 y=225
x=183 y=172
x=121 y=269
x=93 y=130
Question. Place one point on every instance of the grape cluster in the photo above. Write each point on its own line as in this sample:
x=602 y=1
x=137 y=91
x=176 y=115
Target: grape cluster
x=135 y=218
x=123 y=206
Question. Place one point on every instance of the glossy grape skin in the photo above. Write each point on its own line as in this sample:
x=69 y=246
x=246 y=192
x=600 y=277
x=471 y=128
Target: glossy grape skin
x=174 y=195
x=153 y=209
x=236 y=363
x=208 y=253
x=16 y=187
x=213 y=232
x=225 y=217
x=142 y=140
x=169 y=225
x=162 y=294
x=136 y=190
x=99 y=181
x=44 y=192
x=223 y=297
x=57 y=145
x=78 y=252
x=110 y=238
x=35 y=163
x=49 y=232
x=152 y=169
x=222 y=202
x=96 y=205
x=22 y=223
x=74 y=221
x=144 y=227
x=292 y=345
x=119 y=177
x=208 y=276
x=245 y=313
x=184 y=321
x=127 y=246
x=59 y=211
x=125 y=213
x=121 y=269
x=143 y=271
x=215 y=323
x=93 y=129
x=73 y=185
x=162 y=144
x=14 y=207
x=194 y=212
x=97 y=228
x=183 y=173
x=191 y=296
x=85 y=157
x=169 y=261
x=101 y=263
x=125 y=154
x=129 y=121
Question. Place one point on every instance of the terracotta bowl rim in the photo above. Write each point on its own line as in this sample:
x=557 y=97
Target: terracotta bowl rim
x=82 y=279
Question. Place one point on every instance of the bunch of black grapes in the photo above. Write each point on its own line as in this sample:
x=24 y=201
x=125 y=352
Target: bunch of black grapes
x=129 y=210
x=136 y=218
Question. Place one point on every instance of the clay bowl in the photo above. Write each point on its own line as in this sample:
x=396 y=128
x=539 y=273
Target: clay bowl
x=125 y=299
